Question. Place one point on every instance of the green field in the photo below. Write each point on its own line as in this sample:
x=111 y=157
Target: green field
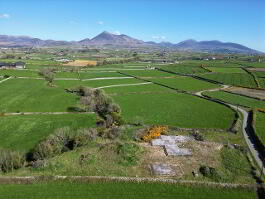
x=27 y=95
x=260 y=126
x=237 y=79
x=236 y=99
x=176 y=110
x=148 y=73
x=226 y=70
x=259 y=73
x=147 y=88
x=19 y=73
x=24 y=131
x=185 y=83
x=262 y=82
x=184 y=69
x=87 y=75
x=121 y=190
x=95 y=83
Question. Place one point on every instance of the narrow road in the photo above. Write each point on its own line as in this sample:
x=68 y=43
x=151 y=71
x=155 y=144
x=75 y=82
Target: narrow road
x=245 y=114
x=5 y=80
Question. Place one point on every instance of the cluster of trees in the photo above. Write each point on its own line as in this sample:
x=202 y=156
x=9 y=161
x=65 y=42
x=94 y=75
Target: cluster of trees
x=48 y=74
x=118 y=61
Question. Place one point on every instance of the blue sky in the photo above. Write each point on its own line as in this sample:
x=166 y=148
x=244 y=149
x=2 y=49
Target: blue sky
x=239 y=21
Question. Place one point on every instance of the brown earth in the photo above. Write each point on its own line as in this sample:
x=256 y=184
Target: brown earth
x=248 y=92
x=81 y=63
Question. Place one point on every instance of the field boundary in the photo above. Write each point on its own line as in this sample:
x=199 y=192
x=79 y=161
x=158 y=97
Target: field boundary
x=45 y=113
x=252 y=75
x=90 y=179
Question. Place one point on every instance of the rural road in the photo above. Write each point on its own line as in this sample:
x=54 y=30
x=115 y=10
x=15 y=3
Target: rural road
x=5 y=80
x=245 y=114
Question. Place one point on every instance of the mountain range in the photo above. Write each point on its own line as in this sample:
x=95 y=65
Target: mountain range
x=106 y=39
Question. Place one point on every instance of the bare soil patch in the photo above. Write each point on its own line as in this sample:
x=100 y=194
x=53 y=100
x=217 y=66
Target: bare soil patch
x=248 y=92
x=257 y=69
x=81 y=63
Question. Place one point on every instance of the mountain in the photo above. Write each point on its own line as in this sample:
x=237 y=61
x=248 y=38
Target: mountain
x=213 y=47
x=106 y=39
x=25 y=41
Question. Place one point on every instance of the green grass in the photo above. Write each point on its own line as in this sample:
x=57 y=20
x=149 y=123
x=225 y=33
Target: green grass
x=184 y=69
x=262 y=82
x=147 y=88
x=95 y=83
x=87 y=75
x=148 y=73
x=176 y=110
x=237 y=79
x=186 y=83
x=27 y=95
x=117 y=190
x=24 y=131
x=226 y=70
x=259 y=73
x=260 y=126
x=19 y=73
x=236 y=99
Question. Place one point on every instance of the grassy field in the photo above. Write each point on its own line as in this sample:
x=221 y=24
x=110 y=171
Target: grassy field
x=184 y=69
x=24 y=131
x=185 y=83
x=27 y=95
x=87 y=75
x=119 y=190
x=262 y=82
x=176 y=110
x=147 y=88
x=226 y=70
x=236 y=99
x=95 y=83
x=260 y=126
x=19 y=73
x=148 y=73
x=237 y=79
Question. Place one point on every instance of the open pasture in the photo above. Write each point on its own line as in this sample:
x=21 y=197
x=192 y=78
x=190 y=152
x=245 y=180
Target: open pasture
x=24 y=131
x=100 y=190
x=226 y=70
x=236 y=79
x=28 y=95
x=148 y=73
x=19 y=73
x=260 y=126
x=95 y=83
x=175 y=109
x=184 y=69
x=185 y=83
x=236 y=99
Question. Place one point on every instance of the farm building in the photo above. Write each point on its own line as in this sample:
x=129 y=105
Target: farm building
x=18 y=65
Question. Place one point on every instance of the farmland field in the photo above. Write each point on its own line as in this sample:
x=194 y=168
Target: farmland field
x=24 y=131
x=148 y=73
x=176 y=110
x=96 y=83
x=87 y=75
x=33 y=96
x=121 y=190
x=236 y=99
x=260 y=126
x=226 y=70
x=237 y=79
x=19 y=73
x=184 y=69
x=185 y=83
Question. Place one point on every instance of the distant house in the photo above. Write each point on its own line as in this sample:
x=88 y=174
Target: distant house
x=18 y=65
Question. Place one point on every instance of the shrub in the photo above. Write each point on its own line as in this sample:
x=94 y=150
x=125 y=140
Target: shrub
x=197 y=136
x=138 y=121
x=61 y=141
x=212 y=173
x=154 y=132
x=10 y=160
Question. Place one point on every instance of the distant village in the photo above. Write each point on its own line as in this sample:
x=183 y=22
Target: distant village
x=14 y=65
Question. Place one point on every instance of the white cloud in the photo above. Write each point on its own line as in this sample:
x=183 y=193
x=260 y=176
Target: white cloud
x=158 y=37
x=5 y=16
x=116 y=32
x=100 y=22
